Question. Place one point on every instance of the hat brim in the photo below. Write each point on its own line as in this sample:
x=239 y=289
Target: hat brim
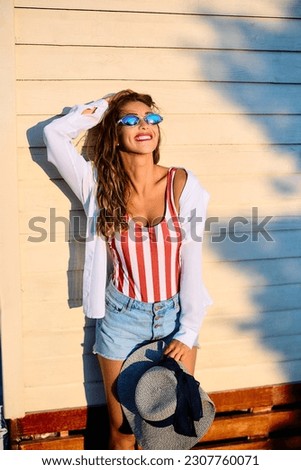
x=147 y=434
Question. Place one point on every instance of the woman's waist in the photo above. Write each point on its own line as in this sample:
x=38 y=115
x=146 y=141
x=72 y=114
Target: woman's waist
x=129 y=301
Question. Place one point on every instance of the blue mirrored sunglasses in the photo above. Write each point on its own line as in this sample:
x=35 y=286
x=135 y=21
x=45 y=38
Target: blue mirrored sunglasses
x=133 y=119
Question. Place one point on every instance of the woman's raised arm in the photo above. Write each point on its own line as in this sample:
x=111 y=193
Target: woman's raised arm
x=58 y=136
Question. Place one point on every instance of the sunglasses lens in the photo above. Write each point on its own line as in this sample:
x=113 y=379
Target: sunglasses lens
x=153 y=118
x=129 y=120
x=133 y=120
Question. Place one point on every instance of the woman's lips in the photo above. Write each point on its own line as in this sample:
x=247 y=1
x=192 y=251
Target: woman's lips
x=143 y=137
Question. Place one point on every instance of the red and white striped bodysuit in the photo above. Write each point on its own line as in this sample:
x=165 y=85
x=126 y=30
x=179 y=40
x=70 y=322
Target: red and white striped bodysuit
x=147 y=258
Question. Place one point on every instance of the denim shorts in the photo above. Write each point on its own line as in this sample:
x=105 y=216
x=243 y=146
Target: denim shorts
x=129 y=324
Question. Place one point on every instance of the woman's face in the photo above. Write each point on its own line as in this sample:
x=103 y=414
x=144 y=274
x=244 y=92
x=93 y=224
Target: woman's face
x=140 y=139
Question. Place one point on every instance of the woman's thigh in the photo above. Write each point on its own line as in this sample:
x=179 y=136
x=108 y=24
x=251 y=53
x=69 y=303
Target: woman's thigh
x=110 y=370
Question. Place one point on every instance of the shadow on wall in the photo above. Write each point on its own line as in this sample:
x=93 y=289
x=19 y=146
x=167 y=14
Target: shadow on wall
x=266 y=87
x=74 y=234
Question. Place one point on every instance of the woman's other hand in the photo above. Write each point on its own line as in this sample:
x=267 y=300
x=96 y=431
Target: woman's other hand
x=177 y=350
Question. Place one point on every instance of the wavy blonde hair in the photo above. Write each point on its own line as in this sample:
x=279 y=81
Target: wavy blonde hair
x=113 y=182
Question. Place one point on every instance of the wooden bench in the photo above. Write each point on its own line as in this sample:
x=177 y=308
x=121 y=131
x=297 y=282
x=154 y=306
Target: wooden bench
x=255 y=418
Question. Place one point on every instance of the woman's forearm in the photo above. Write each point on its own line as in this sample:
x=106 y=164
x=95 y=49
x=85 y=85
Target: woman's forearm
x=58 y=137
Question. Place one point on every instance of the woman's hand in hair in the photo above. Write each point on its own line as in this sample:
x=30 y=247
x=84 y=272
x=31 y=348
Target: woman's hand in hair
x=92 y=110
x=89 y=110
x=109 y=97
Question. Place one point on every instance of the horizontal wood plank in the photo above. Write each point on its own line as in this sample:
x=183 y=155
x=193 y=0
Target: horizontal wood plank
x=220 y=325
x=215 y=129
x=62 y=203
x=56 y=316
x=70 y=256
x=250 y=398
x=50 y=222
x=224 y=245
x=265 y=293
x=269 y=350
x=218 y=369
x=286 y=394
x=249 y=300
x=65 y=373
x=70 y=395
x=234 y=377
x=272 y=443
x=84 y=63
x=270 y=8
x=272 y=349
x=172 y=31
x=273 y=271
x=52 y=421
x=230 y=400
x=245 y=425
x=43 y=343
x=272 y=323
x=255 y=246
x=65 y=443
x=78 y=443
x=194 y=97
x=205 y=160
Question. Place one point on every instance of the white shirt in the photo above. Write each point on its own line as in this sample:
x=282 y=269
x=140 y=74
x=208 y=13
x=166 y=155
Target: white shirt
x=81 y=177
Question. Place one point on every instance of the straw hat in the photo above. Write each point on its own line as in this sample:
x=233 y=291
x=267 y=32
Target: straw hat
x=165 y=406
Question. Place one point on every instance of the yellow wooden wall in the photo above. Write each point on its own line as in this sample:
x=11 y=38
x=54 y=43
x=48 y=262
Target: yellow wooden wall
x=226 y=76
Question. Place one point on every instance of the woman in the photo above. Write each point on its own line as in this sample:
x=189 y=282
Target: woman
x=142 y=274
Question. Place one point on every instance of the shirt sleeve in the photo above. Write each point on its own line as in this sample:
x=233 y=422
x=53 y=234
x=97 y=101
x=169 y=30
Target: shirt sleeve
x=58 y=136
x=194 y=297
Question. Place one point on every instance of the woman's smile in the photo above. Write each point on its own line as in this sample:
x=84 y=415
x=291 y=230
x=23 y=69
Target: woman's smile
x=143 y=137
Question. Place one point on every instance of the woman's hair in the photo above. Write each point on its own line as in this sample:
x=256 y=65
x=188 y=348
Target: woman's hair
x=113 y=182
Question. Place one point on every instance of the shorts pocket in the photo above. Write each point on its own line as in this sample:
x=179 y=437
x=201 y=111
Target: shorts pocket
x=113 y=306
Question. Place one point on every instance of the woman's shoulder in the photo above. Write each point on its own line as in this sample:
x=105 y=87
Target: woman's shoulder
x=193 y=190
x=179 y=182
x=185 y=180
